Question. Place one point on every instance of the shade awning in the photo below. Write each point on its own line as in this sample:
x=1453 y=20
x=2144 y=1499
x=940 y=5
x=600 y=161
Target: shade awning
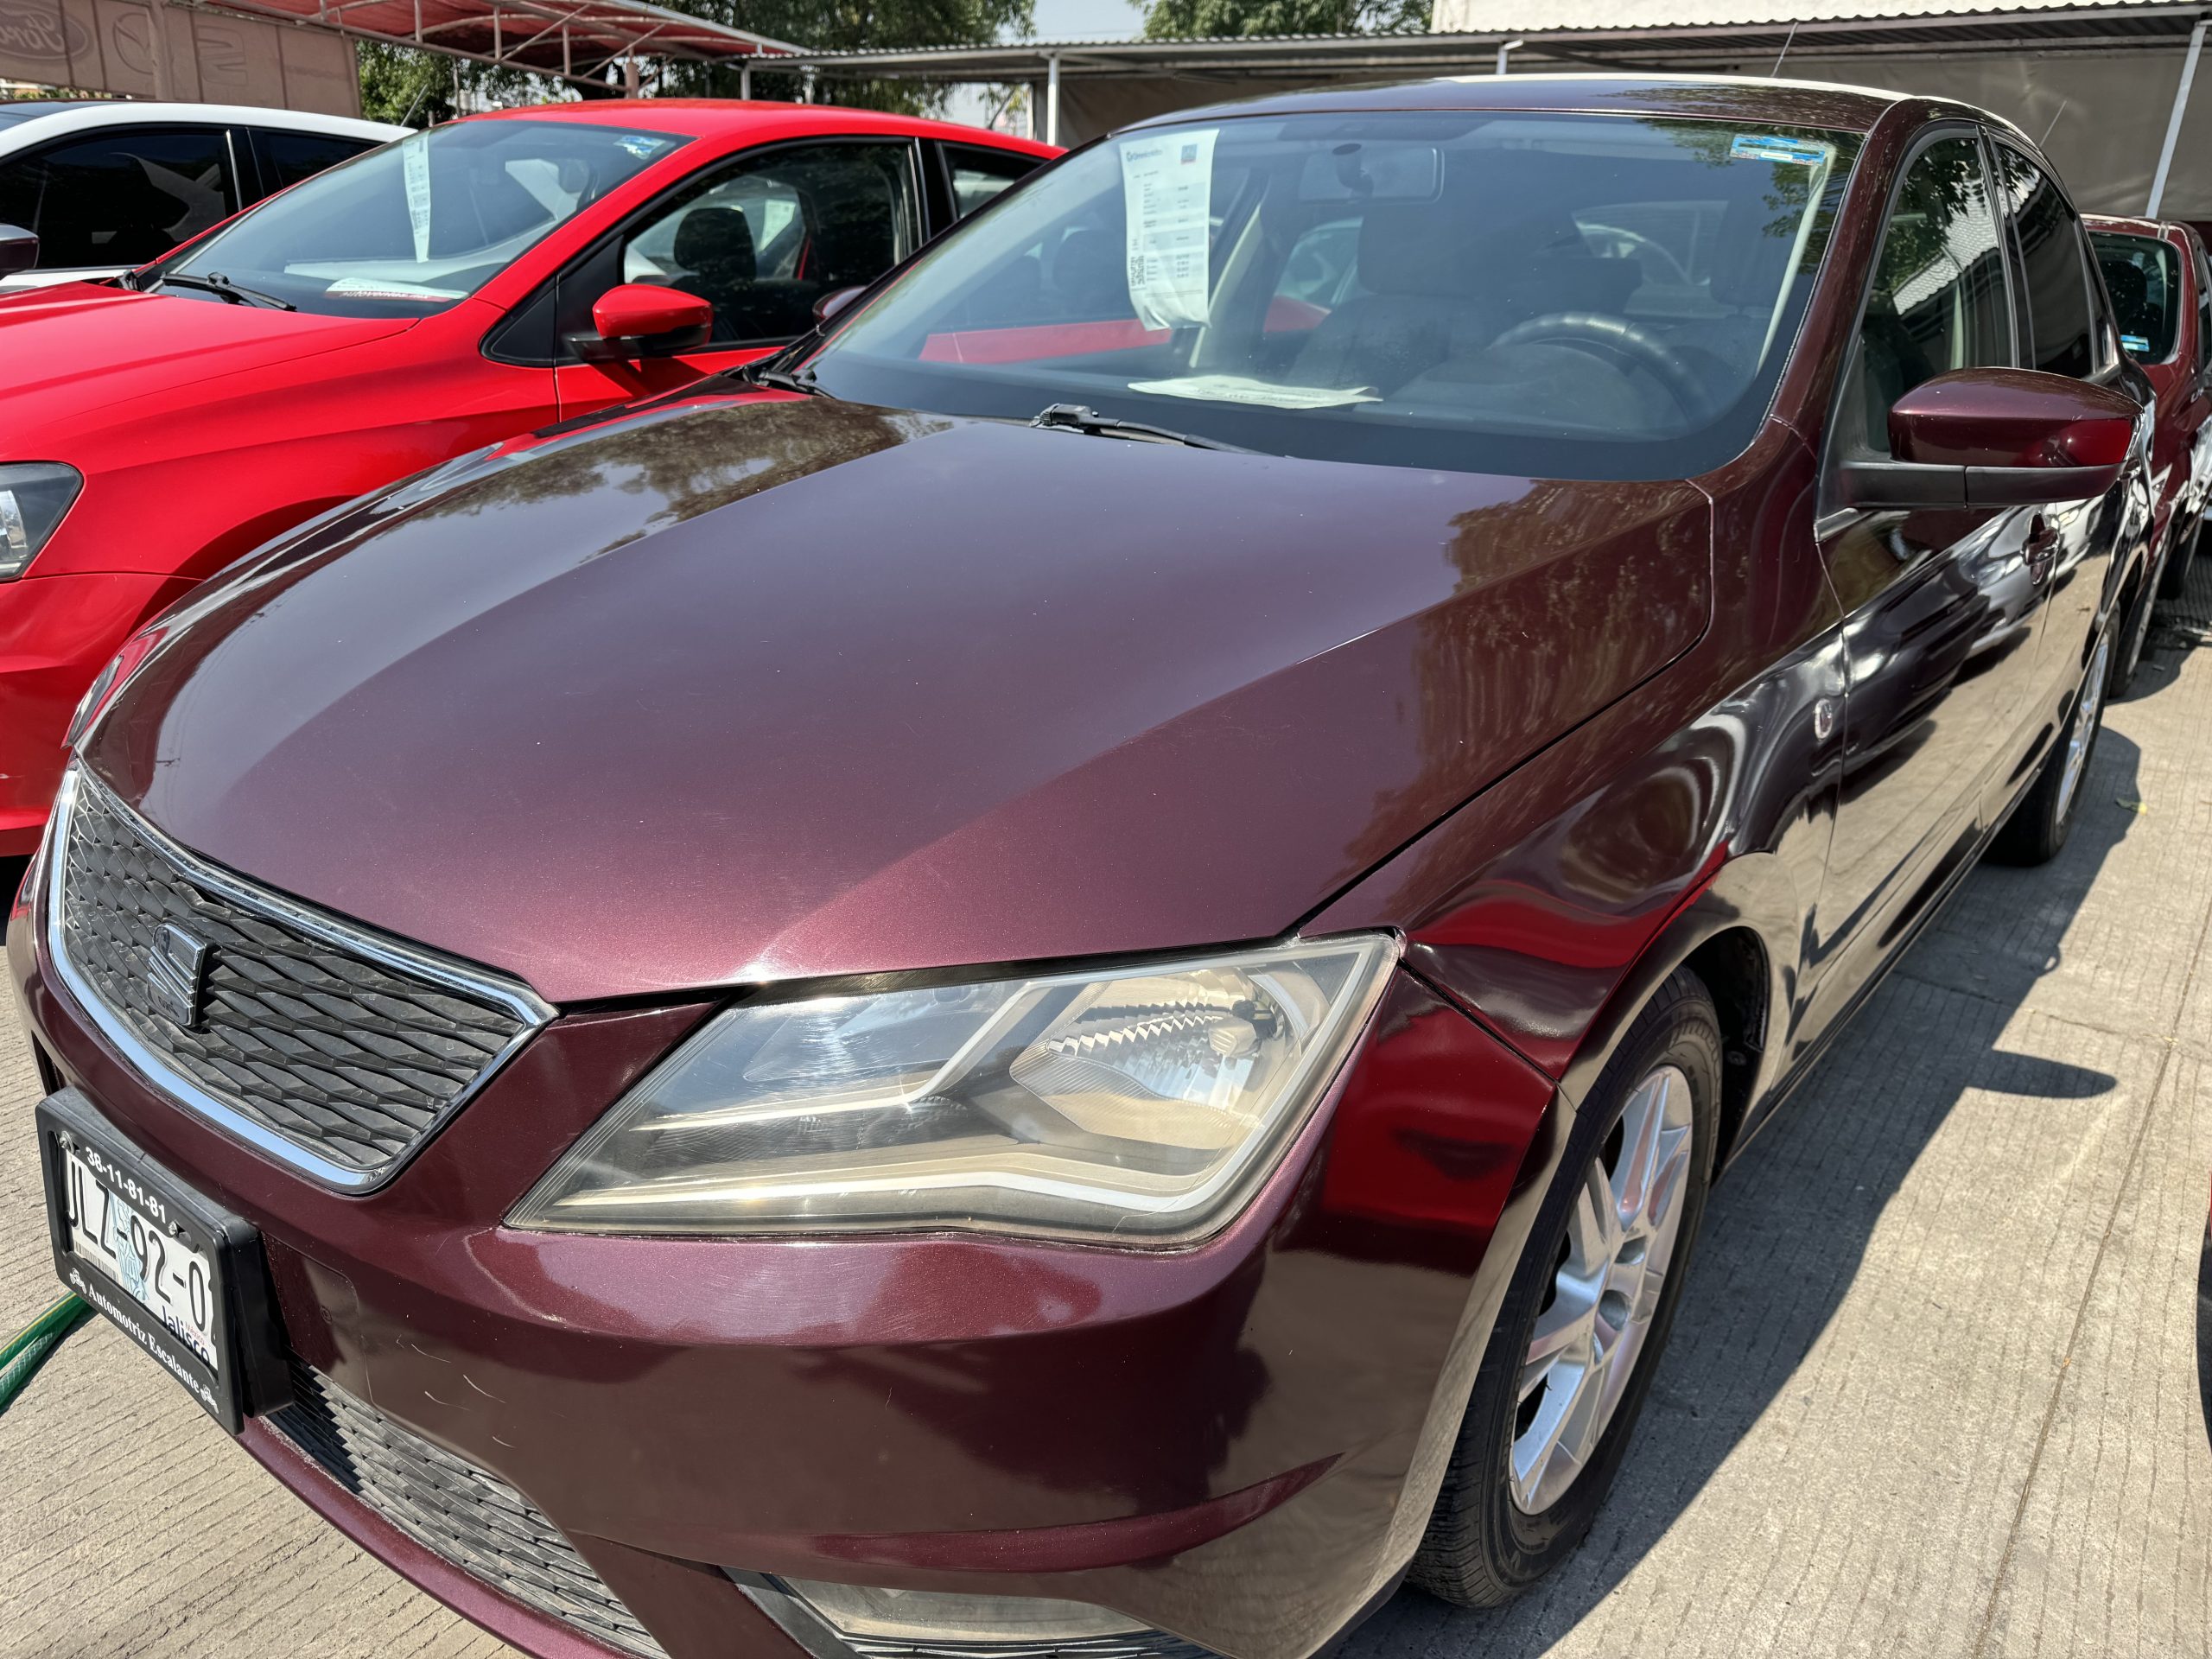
x=575 y=40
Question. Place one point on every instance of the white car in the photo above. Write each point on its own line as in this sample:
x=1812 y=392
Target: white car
x=106 y=185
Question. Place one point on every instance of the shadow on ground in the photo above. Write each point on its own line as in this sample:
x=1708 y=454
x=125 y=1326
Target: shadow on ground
x=1789 y=1224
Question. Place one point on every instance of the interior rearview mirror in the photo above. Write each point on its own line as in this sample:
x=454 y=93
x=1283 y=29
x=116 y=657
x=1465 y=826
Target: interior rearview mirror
x=1998 y=438
x=18 y=249
x=640 y=320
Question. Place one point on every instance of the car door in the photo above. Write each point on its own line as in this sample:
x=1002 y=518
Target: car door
x=2069 y=330
x=104 y=201
x=763 y=237
x=1941 y=605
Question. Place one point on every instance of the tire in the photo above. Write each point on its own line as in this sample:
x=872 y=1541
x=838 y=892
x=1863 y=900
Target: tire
x=2044 y=816
x=2173 y=580
x=1501 y=1524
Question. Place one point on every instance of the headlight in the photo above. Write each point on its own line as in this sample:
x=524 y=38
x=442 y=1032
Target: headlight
x=33 y=497
x=1138 y=1105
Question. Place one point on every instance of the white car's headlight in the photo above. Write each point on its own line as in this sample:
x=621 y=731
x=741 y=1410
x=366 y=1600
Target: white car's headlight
x=1140 y=1105
x=32 y=496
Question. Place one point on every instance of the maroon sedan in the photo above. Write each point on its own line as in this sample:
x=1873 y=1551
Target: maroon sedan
x=1066 y=976
x=2161 y=289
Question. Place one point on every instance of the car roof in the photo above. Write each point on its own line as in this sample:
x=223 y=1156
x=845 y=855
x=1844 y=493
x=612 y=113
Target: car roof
x=1785 y=103
x=55 y=117
x=707 y=118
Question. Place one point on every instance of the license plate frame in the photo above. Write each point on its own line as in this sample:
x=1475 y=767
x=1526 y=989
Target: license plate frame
x=251 y=1377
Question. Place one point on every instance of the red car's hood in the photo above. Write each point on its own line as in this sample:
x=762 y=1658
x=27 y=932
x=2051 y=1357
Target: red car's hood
x=773 y=690
x=77 y=348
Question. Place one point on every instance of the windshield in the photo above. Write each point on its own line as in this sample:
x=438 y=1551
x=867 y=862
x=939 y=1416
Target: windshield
x=1569 y=296
x=410 y=228
x=2143 y=277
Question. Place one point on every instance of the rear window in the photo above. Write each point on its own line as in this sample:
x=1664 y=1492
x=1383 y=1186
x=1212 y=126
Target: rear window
x=2143 y=275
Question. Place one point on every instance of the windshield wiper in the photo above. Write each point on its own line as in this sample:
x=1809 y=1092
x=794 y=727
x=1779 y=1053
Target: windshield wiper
x=1080 y=417
x=799 y=380
x=223 y=287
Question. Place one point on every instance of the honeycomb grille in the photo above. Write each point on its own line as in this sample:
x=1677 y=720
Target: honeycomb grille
x=466 y=1514
x=344 y=1056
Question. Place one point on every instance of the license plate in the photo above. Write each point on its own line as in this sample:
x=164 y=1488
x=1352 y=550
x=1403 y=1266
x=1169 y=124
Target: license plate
x=125 y=1230
x=180 y=1275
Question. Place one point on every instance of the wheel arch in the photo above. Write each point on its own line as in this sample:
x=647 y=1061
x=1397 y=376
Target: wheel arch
x=1738 y=935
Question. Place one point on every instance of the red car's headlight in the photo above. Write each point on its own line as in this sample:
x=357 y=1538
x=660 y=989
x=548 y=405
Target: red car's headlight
x=34 y=496
x=1134 y=1105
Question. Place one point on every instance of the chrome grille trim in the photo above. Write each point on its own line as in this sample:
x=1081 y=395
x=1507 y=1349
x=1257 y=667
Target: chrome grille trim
x=513 y=998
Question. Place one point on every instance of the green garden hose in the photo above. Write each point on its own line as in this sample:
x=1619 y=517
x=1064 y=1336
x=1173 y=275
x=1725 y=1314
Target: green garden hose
x=33 y=1345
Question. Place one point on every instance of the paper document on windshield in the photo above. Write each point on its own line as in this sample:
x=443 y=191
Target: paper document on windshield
x=415 y=167
x=1167 y=191
x=1241 y=388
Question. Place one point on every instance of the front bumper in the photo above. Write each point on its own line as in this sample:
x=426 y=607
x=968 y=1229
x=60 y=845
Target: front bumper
x=1236 y=1443
x=56 y=633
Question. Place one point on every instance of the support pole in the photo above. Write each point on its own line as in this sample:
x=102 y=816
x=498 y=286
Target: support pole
x=2173 y=121
x=806 y=90
x=1052 y=99
x=1505 y=50
x=630 y=76
x=744 y=78
x=157 y=49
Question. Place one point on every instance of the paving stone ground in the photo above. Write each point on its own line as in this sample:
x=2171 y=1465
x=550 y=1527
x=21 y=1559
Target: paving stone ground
x=1932 y=1391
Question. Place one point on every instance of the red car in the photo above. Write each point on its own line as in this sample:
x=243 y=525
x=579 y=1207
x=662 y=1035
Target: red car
x=489 y=276
x=2161 y=289
x=1069 y=987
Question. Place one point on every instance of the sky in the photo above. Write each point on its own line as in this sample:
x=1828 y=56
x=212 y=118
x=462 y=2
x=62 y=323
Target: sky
x=1059 y=20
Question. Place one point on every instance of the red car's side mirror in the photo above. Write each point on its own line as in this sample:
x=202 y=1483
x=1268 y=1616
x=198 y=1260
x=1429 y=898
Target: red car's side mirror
x=638 y=320
x=1998 y=438
x=834 y=302
x=18 y=249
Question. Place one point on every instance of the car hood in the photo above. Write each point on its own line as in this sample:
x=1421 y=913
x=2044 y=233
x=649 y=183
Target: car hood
x=779 y=688
x=75 y=349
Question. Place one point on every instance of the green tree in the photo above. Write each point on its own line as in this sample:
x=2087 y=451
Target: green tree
x=849 y=26
x=1173 y=20
x=420 y=89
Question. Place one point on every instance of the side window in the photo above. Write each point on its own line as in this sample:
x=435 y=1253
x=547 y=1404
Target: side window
x=2143 y=276
x=1937 y=300
x=979 y=176
x=767 y=238
x=2203 y=271
x=2048 y=236
x=122 y=197
x=288 y=158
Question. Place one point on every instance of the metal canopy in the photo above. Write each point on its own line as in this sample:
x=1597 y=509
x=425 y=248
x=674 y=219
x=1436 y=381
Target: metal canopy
x=573 y=39
x=1704 y=46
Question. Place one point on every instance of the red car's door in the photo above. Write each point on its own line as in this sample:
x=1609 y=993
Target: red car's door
x=1940 y=606
x=763 y=236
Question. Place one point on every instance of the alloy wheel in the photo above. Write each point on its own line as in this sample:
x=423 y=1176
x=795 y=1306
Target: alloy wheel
x=2083 y=732
x=1612 y=1266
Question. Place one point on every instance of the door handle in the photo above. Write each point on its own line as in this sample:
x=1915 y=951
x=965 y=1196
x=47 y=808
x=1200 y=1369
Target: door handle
x=2041 y=548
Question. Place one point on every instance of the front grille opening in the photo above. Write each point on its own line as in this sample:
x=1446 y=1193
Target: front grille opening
x=467 y=1515
x=313 y=1035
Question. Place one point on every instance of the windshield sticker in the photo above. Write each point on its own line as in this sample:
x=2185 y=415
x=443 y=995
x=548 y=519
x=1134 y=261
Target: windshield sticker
x=1773 y=147
x=416 y=168
x=2137 y=344
x=1240 y=389
x=382 y=288
x=1167 y=185
x=643 y=147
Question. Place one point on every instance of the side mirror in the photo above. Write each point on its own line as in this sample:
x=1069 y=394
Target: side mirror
x=834 y=302
x=18 y=249
x=1998 y=438
x=640 y=320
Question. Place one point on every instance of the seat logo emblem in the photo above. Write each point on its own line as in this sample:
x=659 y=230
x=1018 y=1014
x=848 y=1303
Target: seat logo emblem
x=177 y=975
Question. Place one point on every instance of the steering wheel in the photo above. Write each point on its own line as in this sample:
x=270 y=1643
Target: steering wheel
x=1624 y=338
